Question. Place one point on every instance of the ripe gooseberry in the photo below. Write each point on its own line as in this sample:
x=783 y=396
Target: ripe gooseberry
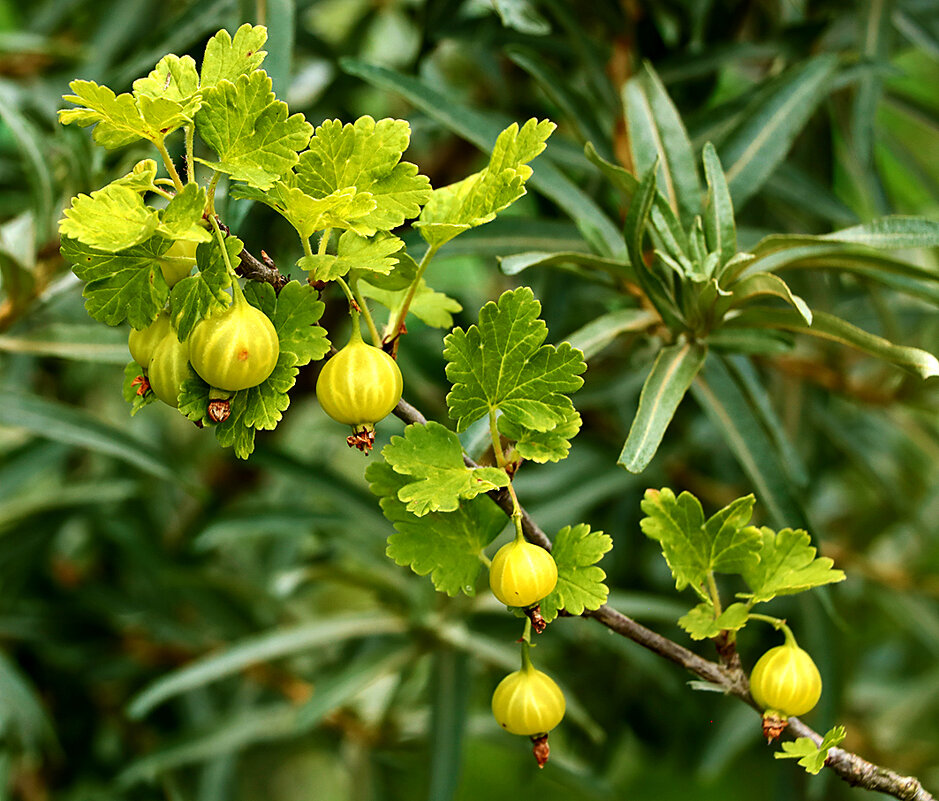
x=522 y=573
x=528 y=702
x=169 y=367
x=177 y=262
x=360 y=385
x=235 y=349
x=786 y=681
x=143 y=342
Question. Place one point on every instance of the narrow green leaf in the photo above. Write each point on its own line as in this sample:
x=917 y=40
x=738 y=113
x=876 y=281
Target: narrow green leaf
x=87 y=343
x=891 y=232
x=518 y=262
x=732 y=412
x=770 y=124
x=672 y=373
x=275 y=644
x=828 y=326
x=719 y=224
x=761 y=284
x=877 y=30
x=657 y=135
x=451 y=684
x=601 y=331
x=482 y=130
x=62 y=423
x=39 y=174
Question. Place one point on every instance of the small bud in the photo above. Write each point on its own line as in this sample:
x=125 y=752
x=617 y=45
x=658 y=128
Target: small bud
x=541 y=750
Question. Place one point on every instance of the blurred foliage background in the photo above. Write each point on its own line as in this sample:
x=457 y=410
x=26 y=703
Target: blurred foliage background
x=175 y=624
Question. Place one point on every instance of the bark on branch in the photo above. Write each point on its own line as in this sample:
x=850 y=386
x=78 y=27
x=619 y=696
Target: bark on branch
x=850 y=767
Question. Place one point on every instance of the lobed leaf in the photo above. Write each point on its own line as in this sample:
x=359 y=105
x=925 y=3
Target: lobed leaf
x=543 y=446
x=433 y=457
x=788 y=565
x=110 y=219
x=576 y=551
x=445 y=545
x=501 y=364
x=702 y=624
x=227 y=58
x=204 y=293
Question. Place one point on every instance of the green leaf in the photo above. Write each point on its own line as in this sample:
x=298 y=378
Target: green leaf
x=402 y=275
x=121 y=287
x=130 y=390
x=182 y=217
x=375 y=254
x=602 y=330
x=694 y=547
x=701 y=624
x=174 y=78
x=672 y=373
x=248 y=128
x=297 y=309
x=477 y=199
x=725 y=397
x=433 y=456
x=770 y=123
x=580 y=263
x=446 y=545
x=201 y=294
x=366 y=155
x=788 y=565
x=480 y=129
x=812 y=757
x=658 y=136
x=59 y=422
x=891 y=233
x=429 y=306
x=543 y=446
x=828 y=326
x=719 y=224
x=502 y=364
x=120 y=119
x=141 y=178
x=226 y=58
x=110 y=219
x=760 y=284
x=576 y=551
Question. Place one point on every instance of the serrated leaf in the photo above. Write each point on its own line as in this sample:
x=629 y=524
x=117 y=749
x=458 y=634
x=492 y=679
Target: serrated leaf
x=477 y=199
x=226 y=58
x=812 y=757
x=401 y=276
x=297 y=310
x=122 y=287
x=543 y=446
x=429 y=306
x=173 y=77
x=353 y=252
x=502 y=364
x=344 y=208
x=141 y=178
x=182 y=217
x=433 y=455
x=201 y=294
x=367 y=155
x=701 y=624
x=248 y=128
x=446 y=545
x=116 y=118
x=580 y=586
x=193 y=400
x=674 y=369
x=110 y=219
x=788 y=564
x=694 y=547
x=130 y=389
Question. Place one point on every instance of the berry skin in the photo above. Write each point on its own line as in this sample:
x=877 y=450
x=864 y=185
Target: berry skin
x=360 y=385
x=236 y=349
x=142 y=343
x=169 y=367
x=528 y=702
x=521 y=573
x=178 y=261
x=785 y=680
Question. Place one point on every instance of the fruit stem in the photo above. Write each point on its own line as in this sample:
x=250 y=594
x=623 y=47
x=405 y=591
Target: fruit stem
x=501 y=461
x=394 y=331
x=238 y=296
x=715 y=595
x=168 y=163
x=779 y=624
x=363 y=307
x=526 y=644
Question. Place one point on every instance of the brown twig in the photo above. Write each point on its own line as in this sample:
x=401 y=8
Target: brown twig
x=850 y=767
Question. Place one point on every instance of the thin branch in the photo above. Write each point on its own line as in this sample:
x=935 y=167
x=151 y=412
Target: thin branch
x=265 y=271
x=848 y=766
